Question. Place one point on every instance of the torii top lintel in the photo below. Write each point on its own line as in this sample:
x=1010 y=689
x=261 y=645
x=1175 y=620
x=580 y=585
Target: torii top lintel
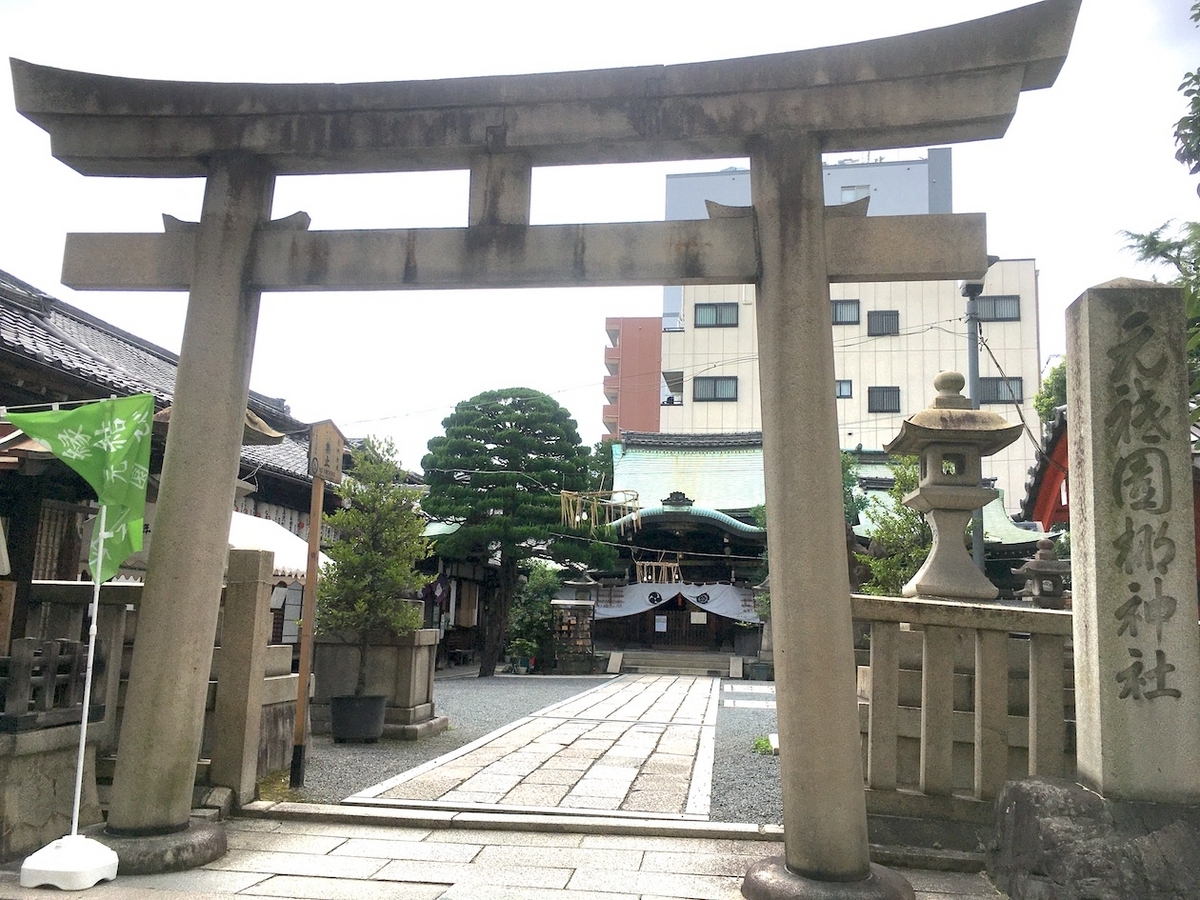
x=956 y=83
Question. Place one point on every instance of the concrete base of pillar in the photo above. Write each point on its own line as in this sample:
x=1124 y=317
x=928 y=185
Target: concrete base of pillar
x=425 y=729
x=769 y=879
x=199 y=843
x=1057 y=840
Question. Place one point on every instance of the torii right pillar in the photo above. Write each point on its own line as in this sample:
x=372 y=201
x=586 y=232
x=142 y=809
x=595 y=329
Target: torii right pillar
x=824 y=807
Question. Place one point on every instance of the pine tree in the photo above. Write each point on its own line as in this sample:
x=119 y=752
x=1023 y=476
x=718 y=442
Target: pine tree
x=498 y=472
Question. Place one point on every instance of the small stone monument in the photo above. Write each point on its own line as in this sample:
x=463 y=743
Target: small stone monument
x=951 y=439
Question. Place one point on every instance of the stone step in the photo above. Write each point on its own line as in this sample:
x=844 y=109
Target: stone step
x=695 y=660
x=672 y=670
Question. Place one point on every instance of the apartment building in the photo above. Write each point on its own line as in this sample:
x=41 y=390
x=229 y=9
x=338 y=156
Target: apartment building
x=890 y=339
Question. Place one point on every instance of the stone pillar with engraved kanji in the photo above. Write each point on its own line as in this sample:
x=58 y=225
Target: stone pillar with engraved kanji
x=1137 y=643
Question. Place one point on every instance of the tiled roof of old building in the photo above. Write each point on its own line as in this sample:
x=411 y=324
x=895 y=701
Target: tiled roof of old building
x=61 y=337
x=699 y=441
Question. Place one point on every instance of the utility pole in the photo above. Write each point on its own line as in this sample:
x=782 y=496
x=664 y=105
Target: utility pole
x=971 y=290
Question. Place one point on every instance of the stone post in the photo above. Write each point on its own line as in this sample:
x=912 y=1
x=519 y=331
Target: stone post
x=111 y=628
x=1137 y=645
x=245 y=633
x=164 y=711
x=824 y=807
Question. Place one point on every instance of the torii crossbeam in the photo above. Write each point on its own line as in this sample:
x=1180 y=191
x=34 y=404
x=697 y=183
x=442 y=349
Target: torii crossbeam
x=958 y=83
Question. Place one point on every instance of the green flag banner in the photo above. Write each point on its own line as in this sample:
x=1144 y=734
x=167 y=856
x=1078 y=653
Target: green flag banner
x=108 y=444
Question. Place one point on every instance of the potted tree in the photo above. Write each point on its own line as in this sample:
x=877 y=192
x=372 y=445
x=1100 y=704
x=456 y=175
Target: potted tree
x=522 y=653
x=361 y=593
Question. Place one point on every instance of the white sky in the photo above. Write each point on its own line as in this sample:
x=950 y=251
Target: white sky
x=1081 y=161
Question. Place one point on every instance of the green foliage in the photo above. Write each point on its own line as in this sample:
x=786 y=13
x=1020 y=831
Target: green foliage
x=531 y=619
x=522 y=648
x=1053 y=392
x=762 y=745
x=762 y=599
x=1062 y=546
x=1179 y=252
x=600 y=467
x=902 y=534
x=498 y=471
x=1187 y=129
x=852 y=503
x=379 y=541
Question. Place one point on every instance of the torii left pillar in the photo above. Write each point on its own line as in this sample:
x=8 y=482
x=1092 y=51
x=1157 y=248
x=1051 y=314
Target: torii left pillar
x=164 y=709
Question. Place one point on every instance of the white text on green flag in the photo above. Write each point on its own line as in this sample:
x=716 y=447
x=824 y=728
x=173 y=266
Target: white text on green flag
x=108 y=444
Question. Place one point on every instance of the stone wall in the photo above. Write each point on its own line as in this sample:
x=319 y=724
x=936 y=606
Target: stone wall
x=37 y=788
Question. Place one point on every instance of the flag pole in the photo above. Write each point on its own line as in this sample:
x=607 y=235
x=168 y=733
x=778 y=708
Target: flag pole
x=87 y=678
x=76 y=862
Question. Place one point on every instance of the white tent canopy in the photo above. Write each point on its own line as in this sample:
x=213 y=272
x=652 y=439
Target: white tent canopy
x=246 y=532
x=291 y=552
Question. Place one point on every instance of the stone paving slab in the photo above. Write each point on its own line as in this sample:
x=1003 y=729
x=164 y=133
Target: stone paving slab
x=398 y=862
x=586 y=752
x=289 y=886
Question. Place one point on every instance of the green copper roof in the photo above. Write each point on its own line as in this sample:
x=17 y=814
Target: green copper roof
x=694 y=511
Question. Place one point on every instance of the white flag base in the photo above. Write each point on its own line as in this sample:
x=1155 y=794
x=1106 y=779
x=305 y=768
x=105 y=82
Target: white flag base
x=72 y=863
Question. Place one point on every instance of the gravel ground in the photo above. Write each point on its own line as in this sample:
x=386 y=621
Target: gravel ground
x=745 y=783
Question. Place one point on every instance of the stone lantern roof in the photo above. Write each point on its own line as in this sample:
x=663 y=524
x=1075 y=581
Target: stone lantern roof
x=951 y=420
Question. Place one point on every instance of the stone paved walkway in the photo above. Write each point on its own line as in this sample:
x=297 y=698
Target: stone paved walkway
x=601 y=797
x=638 y=746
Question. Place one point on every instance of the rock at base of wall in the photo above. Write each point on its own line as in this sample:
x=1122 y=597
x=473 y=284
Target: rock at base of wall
x=1057 y=840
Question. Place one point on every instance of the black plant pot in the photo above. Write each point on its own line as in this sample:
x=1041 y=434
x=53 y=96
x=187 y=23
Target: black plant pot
x=357 y=720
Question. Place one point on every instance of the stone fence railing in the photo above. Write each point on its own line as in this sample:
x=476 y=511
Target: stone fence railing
x=957 y=698
x=249 y=719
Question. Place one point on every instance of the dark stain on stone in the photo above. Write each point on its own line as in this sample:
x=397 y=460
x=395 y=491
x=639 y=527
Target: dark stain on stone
x=312 y=266
x=410 y=258
x=579 y=261
x=691 y=258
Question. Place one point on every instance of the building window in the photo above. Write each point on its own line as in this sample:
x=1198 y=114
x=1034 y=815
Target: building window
x=716 y=315
x=883 y=321
x=844 y=388
x=883 y=399
x=714 y=387
x=852 y=192
x=1001 y=390
x=845 y=312
x=672 y=389
x=1000 y=308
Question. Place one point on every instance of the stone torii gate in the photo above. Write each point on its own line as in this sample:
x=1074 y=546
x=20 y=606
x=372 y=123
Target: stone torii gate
x=958 y=83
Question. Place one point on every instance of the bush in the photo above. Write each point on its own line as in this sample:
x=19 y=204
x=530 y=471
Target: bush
x=902 y=537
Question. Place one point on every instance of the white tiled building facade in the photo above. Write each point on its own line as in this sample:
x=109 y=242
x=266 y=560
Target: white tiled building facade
x=890 y=340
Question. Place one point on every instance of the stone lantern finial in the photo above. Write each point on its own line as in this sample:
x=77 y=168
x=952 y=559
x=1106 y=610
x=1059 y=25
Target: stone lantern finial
x=950 y=439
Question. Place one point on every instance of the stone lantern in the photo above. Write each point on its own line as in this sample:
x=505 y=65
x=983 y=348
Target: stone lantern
x=1044 y=575
x=951 y=439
